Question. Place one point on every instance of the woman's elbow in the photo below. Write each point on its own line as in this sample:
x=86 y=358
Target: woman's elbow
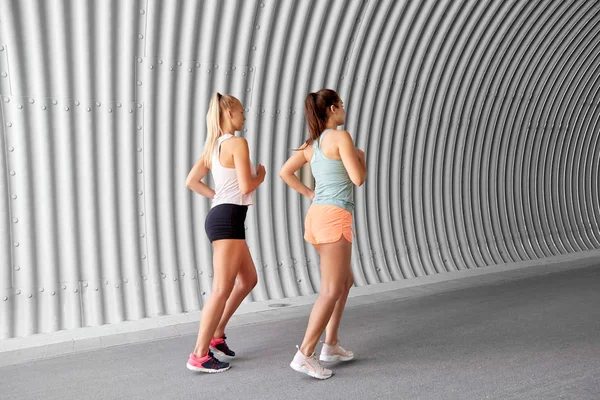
x=245 y=189
x=284 y=175
x=359 y=180
x=189 y=183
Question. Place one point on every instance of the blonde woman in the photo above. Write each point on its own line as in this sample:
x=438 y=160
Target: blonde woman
x=228 y=159
x=337 y=167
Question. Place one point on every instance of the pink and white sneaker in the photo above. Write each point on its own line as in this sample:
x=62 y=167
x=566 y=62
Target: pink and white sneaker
x=208 y=363
x=335 y=353
x=310 y=366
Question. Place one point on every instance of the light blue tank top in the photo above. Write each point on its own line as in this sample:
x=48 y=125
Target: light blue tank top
x=332 y=183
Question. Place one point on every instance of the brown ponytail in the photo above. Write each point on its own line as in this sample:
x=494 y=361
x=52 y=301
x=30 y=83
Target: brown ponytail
x=316 y=111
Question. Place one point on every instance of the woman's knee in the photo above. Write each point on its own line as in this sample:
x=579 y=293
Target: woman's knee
x=221 y=291
x=350 y=283
x=248 y=282
x=332 y=292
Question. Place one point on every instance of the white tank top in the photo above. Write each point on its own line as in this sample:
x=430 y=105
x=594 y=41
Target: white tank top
x=227 y=187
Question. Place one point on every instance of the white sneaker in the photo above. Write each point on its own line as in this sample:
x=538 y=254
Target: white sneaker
x=310 y=366
x=335 y=353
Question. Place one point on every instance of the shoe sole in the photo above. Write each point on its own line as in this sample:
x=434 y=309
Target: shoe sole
x=220 y=353
x=335 y=358
x=299 y=368
x=205 y=370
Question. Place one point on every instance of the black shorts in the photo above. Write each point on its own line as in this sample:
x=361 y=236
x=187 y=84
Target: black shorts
x=226 y=221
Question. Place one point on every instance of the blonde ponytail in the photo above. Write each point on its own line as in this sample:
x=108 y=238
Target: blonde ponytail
x=218 y=104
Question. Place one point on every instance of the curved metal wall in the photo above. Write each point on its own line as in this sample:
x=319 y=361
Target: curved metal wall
x=480 y=121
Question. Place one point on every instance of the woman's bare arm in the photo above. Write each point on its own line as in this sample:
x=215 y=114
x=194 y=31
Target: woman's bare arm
x=353 y=159
x=288 y=174
x=243 y=168
x=194 y=180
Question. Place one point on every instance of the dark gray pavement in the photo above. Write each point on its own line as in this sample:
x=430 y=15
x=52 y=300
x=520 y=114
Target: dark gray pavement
x=537 y=337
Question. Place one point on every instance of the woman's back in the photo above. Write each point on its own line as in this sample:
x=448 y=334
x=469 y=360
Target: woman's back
x=332 y=183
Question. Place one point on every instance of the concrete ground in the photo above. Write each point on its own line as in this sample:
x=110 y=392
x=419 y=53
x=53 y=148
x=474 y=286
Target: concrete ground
x=513 y=335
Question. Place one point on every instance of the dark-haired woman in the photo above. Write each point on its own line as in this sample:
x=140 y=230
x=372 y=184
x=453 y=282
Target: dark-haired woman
x=337 y=167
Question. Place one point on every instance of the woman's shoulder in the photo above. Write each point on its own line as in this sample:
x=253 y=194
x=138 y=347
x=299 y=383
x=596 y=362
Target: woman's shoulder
x=340 y=133
x=338 y=137
x=236 y=141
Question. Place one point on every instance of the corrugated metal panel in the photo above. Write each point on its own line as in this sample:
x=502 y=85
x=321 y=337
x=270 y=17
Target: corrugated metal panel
x=479 y=119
